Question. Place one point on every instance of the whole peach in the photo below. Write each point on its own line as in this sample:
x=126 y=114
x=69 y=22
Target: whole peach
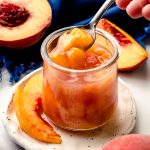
x=129 y=142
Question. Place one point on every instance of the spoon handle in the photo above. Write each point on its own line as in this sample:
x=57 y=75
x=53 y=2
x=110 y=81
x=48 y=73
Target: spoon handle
x=101 y=11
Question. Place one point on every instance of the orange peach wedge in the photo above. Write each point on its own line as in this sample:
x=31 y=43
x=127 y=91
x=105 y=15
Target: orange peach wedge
x=28 y=111
x=132 y=54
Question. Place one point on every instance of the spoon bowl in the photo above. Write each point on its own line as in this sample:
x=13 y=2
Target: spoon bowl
x=90 y=28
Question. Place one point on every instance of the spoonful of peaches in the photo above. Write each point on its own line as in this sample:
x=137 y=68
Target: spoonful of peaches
x=83 y=36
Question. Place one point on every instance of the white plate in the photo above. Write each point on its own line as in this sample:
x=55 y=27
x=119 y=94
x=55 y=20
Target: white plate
x=122 y=123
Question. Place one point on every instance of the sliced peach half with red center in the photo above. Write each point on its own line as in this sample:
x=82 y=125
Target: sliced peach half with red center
x=23 y=23
x=28 y=110
x=132 y=54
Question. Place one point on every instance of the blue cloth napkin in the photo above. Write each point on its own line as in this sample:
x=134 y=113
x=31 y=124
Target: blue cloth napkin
x=67 y=13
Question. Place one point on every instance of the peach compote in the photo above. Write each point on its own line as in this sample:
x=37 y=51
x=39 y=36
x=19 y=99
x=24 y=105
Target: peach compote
x=79 y=86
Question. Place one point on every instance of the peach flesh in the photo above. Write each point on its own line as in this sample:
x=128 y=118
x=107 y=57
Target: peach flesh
x=12 y=15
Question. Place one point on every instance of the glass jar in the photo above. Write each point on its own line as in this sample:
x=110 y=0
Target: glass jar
x=80 y=99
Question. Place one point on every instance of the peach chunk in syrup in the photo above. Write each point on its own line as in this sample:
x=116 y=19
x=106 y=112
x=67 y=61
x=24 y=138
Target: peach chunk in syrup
x=79 y=100
x=70 y=51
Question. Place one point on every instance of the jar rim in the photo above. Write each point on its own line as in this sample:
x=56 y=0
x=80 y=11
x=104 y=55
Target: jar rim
x=105 y=34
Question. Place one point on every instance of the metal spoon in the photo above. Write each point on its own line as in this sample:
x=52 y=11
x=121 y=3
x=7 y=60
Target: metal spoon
x=91 y=27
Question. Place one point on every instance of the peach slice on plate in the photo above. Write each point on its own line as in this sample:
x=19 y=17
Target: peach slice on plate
x=28 y=110
x=23 y=23
x=34 y=90
x=132 y=55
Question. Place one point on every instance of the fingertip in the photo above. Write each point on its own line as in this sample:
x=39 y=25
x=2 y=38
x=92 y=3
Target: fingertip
x=133 y=10
x=122 y=4
x=146 y=12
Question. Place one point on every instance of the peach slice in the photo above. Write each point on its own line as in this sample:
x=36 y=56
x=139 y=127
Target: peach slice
x=132 y=55
x=23 y=23
x=28 y=111
x=34 y=86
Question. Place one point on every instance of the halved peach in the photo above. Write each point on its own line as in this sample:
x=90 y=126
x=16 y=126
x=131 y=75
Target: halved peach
x=28 y=111
x=23 y=23
x=132 y=54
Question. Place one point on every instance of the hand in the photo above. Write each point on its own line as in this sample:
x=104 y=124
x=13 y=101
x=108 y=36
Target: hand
x=135 y=8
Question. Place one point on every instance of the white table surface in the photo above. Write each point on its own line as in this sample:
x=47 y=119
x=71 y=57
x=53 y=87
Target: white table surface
x=137 y=81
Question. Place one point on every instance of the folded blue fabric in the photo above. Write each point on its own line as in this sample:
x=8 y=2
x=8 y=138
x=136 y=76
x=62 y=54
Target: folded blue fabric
x=67 y=13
